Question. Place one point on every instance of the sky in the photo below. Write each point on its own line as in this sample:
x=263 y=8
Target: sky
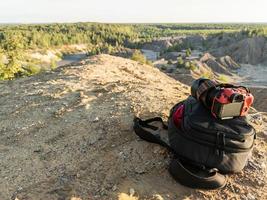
x=132 y=11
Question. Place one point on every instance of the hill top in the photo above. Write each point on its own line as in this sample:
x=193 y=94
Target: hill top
x=68 y=133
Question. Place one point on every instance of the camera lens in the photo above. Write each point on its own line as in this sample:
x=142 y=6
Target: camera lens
x=236 y=97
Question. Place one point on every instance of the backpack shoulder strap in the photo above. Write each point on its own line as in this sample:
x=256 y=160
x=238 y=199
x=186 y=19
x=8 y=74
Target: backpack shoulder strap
x=139 y=126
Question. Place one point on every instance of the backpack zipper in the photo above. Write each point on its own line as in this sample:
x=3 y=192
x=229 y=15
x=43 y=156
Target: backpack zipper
x=220 y=147
x=234 y=137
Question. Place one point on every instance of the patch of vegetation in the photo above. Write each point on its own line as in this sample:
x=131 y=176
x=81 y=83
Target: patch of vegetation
x=193 y=66
x=190 y=65
x=223 y=78
x=188 y=52
x=17 y=40
x=180 y=62
x=139 y=57
x=11 y=54
x=32 y=69
x=208 y=75
x=53 y=64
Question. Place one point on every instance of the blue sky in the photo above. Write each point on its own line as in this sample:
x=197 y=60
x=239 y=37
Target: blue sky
x=35 y=11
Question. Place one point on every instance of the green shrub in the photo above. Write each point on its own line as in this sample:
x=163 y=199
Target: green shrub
x=180 y=62
x=193 y=66
x=53 y=64
x=32 y=69
x=59 y=54
x=139 y=57
x=208 y=75
x=187 y=65
x=223 y=78
x=190 y=65
x=188 y=52
x=10 y=69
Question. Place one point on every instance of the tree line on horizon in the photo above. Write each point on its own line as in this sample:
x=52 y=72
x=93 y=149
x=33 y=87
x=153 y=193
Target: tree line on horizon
x=16 y=40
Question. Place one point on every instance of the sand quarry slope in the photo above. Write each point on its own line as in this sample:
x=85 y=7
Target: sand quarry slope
x=67 y=134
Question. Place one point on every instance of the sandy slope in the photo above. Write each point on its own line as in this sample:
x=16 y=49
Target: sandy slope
x=68 y=133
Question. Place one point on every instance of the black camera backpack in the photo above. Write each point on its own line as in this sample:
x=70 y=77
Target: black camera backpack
x=204 y=147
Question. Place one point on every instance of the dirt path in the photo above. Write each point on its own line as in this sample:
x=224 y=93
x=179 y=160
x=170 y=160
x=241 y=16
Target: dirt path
x=68 y=133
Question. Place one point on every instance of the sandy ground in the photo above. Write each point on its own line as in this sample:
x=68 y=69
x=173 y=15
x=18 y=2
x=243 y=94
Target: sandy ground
x=67 y=134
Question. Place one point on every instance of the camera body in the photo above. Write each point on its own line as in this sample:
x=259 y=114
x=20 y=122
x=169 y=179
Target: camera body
x=225 y=101
x=231 y=102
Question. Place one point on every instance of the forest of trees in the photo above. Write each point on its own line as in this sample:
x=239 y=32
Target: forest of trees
x=52 y=35
x=16 y=40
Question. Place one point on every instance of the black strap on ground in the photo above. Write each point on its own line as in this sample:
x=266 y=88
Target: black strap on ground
x=139 y=126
